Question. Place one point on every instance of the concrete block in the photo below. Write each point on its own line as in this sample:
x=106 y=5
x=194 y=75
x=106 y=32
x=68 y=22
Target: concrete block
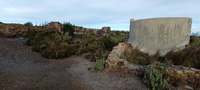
x=160 y=34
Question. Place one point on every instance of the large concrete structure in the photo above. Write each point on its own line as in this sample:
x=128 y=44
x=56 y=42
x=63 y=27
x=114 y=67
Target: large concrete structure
x=160 y=34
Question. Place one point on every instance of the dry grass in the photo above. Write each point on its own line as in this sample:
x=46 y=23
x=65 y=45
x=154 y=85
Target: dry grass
x=189 y=57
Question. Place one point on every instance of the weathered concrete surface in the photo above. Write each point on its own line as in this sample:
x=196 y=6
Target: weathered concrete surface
x=160 y=34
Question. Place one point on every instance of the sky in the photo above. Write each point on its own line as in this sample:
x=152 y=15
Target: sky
x=97 y=13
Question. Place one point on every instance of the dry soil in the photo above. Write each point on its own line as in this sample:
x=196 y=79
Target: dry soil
x=22 y=69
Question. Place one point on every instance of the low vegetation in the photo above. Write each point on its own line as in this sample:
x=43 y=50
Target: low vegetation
x=53 y=45
x=99 y=64
x=50 y=44
x=188 y=57
x=156 y=76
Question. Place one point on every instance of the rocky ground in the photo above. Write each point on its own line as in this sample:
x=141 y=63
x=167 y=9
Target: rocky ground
x=22 y=69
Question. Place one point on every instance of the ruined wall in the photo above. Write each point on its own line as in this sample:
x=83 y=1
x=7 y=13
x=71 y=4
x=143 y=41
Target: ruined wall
x=104 y=32
x=10 y=30
x=16 y=29
x=56 y=26
x=186 y=75
x=160 y=34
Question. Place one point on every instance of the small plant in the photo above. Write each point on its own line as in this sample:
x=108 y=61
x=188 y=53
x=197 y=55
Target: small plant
x=99 y=64
x=156 y=76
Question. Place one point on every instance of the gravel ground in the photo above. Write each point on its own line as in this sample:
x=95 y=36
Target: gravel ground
x=22 y=69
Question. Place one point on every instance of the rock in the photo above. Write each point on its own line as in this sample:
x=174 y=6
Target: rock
x=179 y=72
x=198 y=72
x=188 y=87
x=22 y=38
x=188 y=71
x=55 y=26
x=104 y=32
x=11 y=30
x=120 y=63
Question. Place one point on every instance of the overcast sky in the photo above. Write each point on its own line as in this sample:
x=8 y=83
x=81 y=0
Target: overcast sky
x=97 y=13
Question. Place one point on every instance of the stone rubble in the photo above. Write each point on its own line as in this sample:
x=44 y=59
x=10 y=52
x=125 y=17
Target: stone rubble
x=114 y=62
x=104 y=32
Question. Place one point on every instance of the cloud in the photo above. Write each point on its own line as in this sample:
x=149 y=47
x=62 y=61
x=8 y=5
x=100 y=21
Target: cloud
x=20 y=11
x=96 y=13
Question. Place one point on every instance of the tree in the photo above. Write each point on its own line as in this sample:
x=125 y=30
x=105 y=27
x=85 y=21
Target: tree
x=67 y=27
x=28 y=24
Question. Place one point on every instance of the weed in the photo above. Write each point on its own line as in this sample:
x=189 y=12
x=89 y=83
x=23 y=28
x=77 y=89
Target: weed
x=99 y=64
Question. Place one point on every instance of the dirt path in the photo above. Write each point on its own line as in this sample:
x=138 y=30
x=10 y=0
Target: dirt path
x=22 y=69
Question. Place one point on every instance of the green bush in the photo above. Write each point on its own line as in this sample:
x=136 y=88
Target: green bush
x=67 y=37
x=99 y=64
x=67 y=27
x=156 y=76
x=50 y=44
x=118 y=36
x=53 y=45
x=28 y=24
x=108 y=43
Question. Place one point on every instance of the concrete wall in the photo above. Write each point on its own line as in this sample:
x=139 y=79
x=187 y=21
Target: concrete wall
x=160 y=34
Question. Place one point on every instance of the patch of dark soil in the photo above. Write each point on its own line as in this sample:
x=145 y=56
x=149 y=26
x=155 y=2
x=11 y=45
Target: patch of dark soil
x=29 y=71
x=6 y=81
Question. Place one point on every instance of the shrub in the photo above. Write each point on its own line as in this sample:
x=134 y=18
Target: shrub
x=66 y=37
x=50 y=44
x=195 y=41
x=118 y=36
x=137 y=57
x=188 y=57
x=108 y=43
x=28 y=24
x=67 y=27
x=99 y=64
x=53 y=45
x=156 y=76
